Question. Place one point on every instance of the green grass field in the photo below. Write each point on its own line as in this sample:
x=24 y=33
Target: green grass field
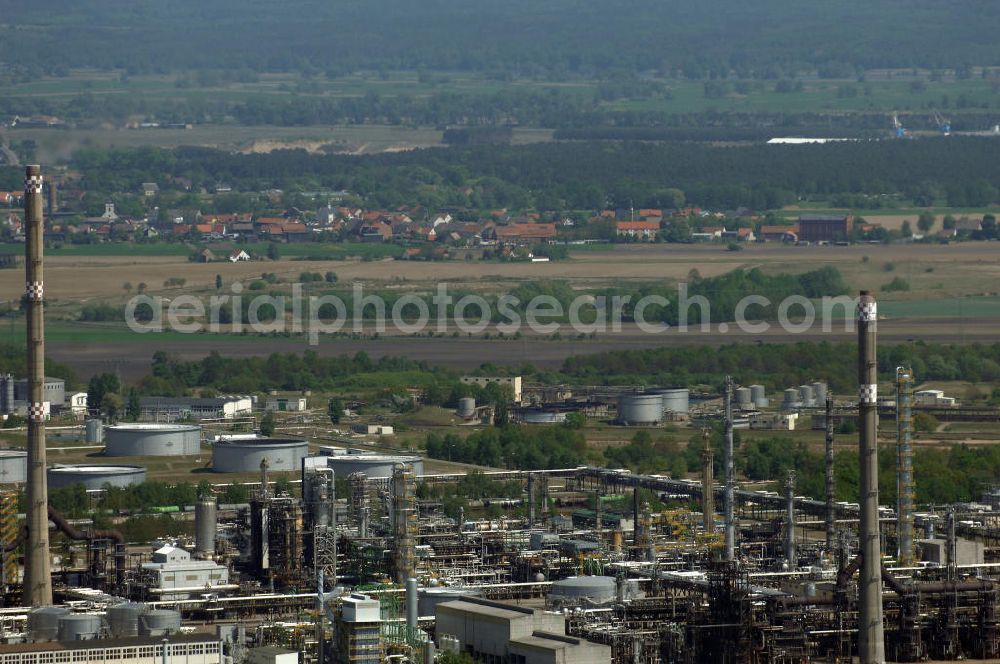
x=108 y=249
x=956 y=308
x=823 y=95
x=951 y=96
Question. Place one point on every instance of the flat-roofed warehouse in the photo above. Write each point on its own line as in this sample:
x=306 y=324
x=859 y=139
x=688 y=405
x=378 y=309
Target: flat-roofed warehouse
x=491 y=631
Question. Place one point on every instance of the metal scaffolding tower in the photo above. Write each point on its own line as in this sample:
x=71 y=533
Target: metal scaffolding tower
x=904 y=461
x=404 y=522
x=707 y=484
x=8 y=539
x=730 y=476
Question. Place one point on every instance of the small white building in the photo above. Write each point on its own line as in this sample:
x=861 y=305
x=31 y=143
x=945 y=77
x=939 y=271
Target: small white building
x=290 y=404
x=933 y=398
x=172 y=574
x=77 y=403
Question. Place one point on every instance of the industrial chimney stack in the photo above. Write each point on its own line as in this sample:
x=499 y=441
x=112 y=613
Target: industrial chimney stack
x=37 y=575
x=871 y=641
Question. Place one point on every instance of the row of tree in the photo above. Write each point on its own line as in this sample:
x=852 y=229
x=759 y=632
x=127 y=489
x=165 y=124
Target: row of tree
x=588 y=176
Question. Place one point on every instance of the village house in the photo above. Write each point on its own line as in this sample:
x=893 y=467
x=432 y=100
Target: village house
x=640 y=230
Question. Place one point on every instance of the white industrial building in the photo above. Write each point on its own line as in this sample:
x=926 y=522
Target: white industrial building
x=183 y=648
x=272 y=655
x=372 y=429
x=483 y=381
x=171 y=409
x=933 y=398
x=77 y=403
x=774 y=421
x=174 y=575
x=290 y=404
x=495 y=632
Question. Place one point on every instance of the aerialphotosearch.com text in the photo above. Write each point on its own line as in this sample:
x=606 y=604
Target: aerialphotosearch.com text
x=442 y=312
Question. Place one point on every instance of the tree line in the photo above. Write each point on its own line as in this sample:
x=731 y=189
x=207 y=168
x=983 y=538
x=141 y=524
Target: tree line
x=518 y=38
x=585 y=176
x=778 y=366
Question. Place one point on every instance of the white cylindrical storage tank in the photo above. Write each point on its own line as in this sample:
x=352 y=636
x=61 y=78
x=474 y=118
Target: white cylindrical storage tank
x=13 y=466
x=95 y=476
x=533 y=416
x=205 y=526
x=676 y=400
x=159 y=622
x=640 y=409
x=806 y=395
x=43 y=623
x=744 y=398
x=429 y=598
x=79 y=627
x=466 y=407
x=819 y=392
x=583 y=590
x=123 y=619
x=152 y=440
x=94 y=431
x=374 y=466
x=758 y=395
x=245 y=455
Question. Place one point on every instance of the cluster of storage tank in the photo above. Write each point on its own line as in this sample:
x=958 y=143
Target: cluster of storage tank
x=128 y=619
x=750 y=398
x=804 y=396
x=653 y=406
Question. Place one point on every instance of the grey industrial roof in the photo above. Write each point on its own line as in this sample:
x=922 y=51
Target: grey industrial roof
x=486 y=608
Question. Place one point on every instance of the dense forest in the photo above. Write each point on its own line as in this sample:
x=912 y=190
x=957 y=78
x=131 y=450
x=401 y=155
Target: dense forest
x=555 y=39
x=579 y=175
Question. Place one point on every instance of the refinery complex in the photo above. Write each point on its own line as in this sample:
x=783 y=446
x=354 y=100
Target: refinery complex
x=334 y=558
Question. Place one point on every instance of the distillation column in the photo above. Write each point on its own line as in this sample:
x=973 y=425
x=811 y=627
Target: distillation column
x=707 y=485
x=904 y=466
x=730 y=479
x=831 y=525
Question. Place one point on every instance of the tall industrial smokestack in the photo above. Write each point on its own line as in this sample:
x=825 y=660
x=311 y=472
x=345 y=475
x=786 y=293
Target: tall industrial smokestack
x=871 y=640
x=37 y=575
x=707 y=488
x=730 y=520
x=831 y=486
